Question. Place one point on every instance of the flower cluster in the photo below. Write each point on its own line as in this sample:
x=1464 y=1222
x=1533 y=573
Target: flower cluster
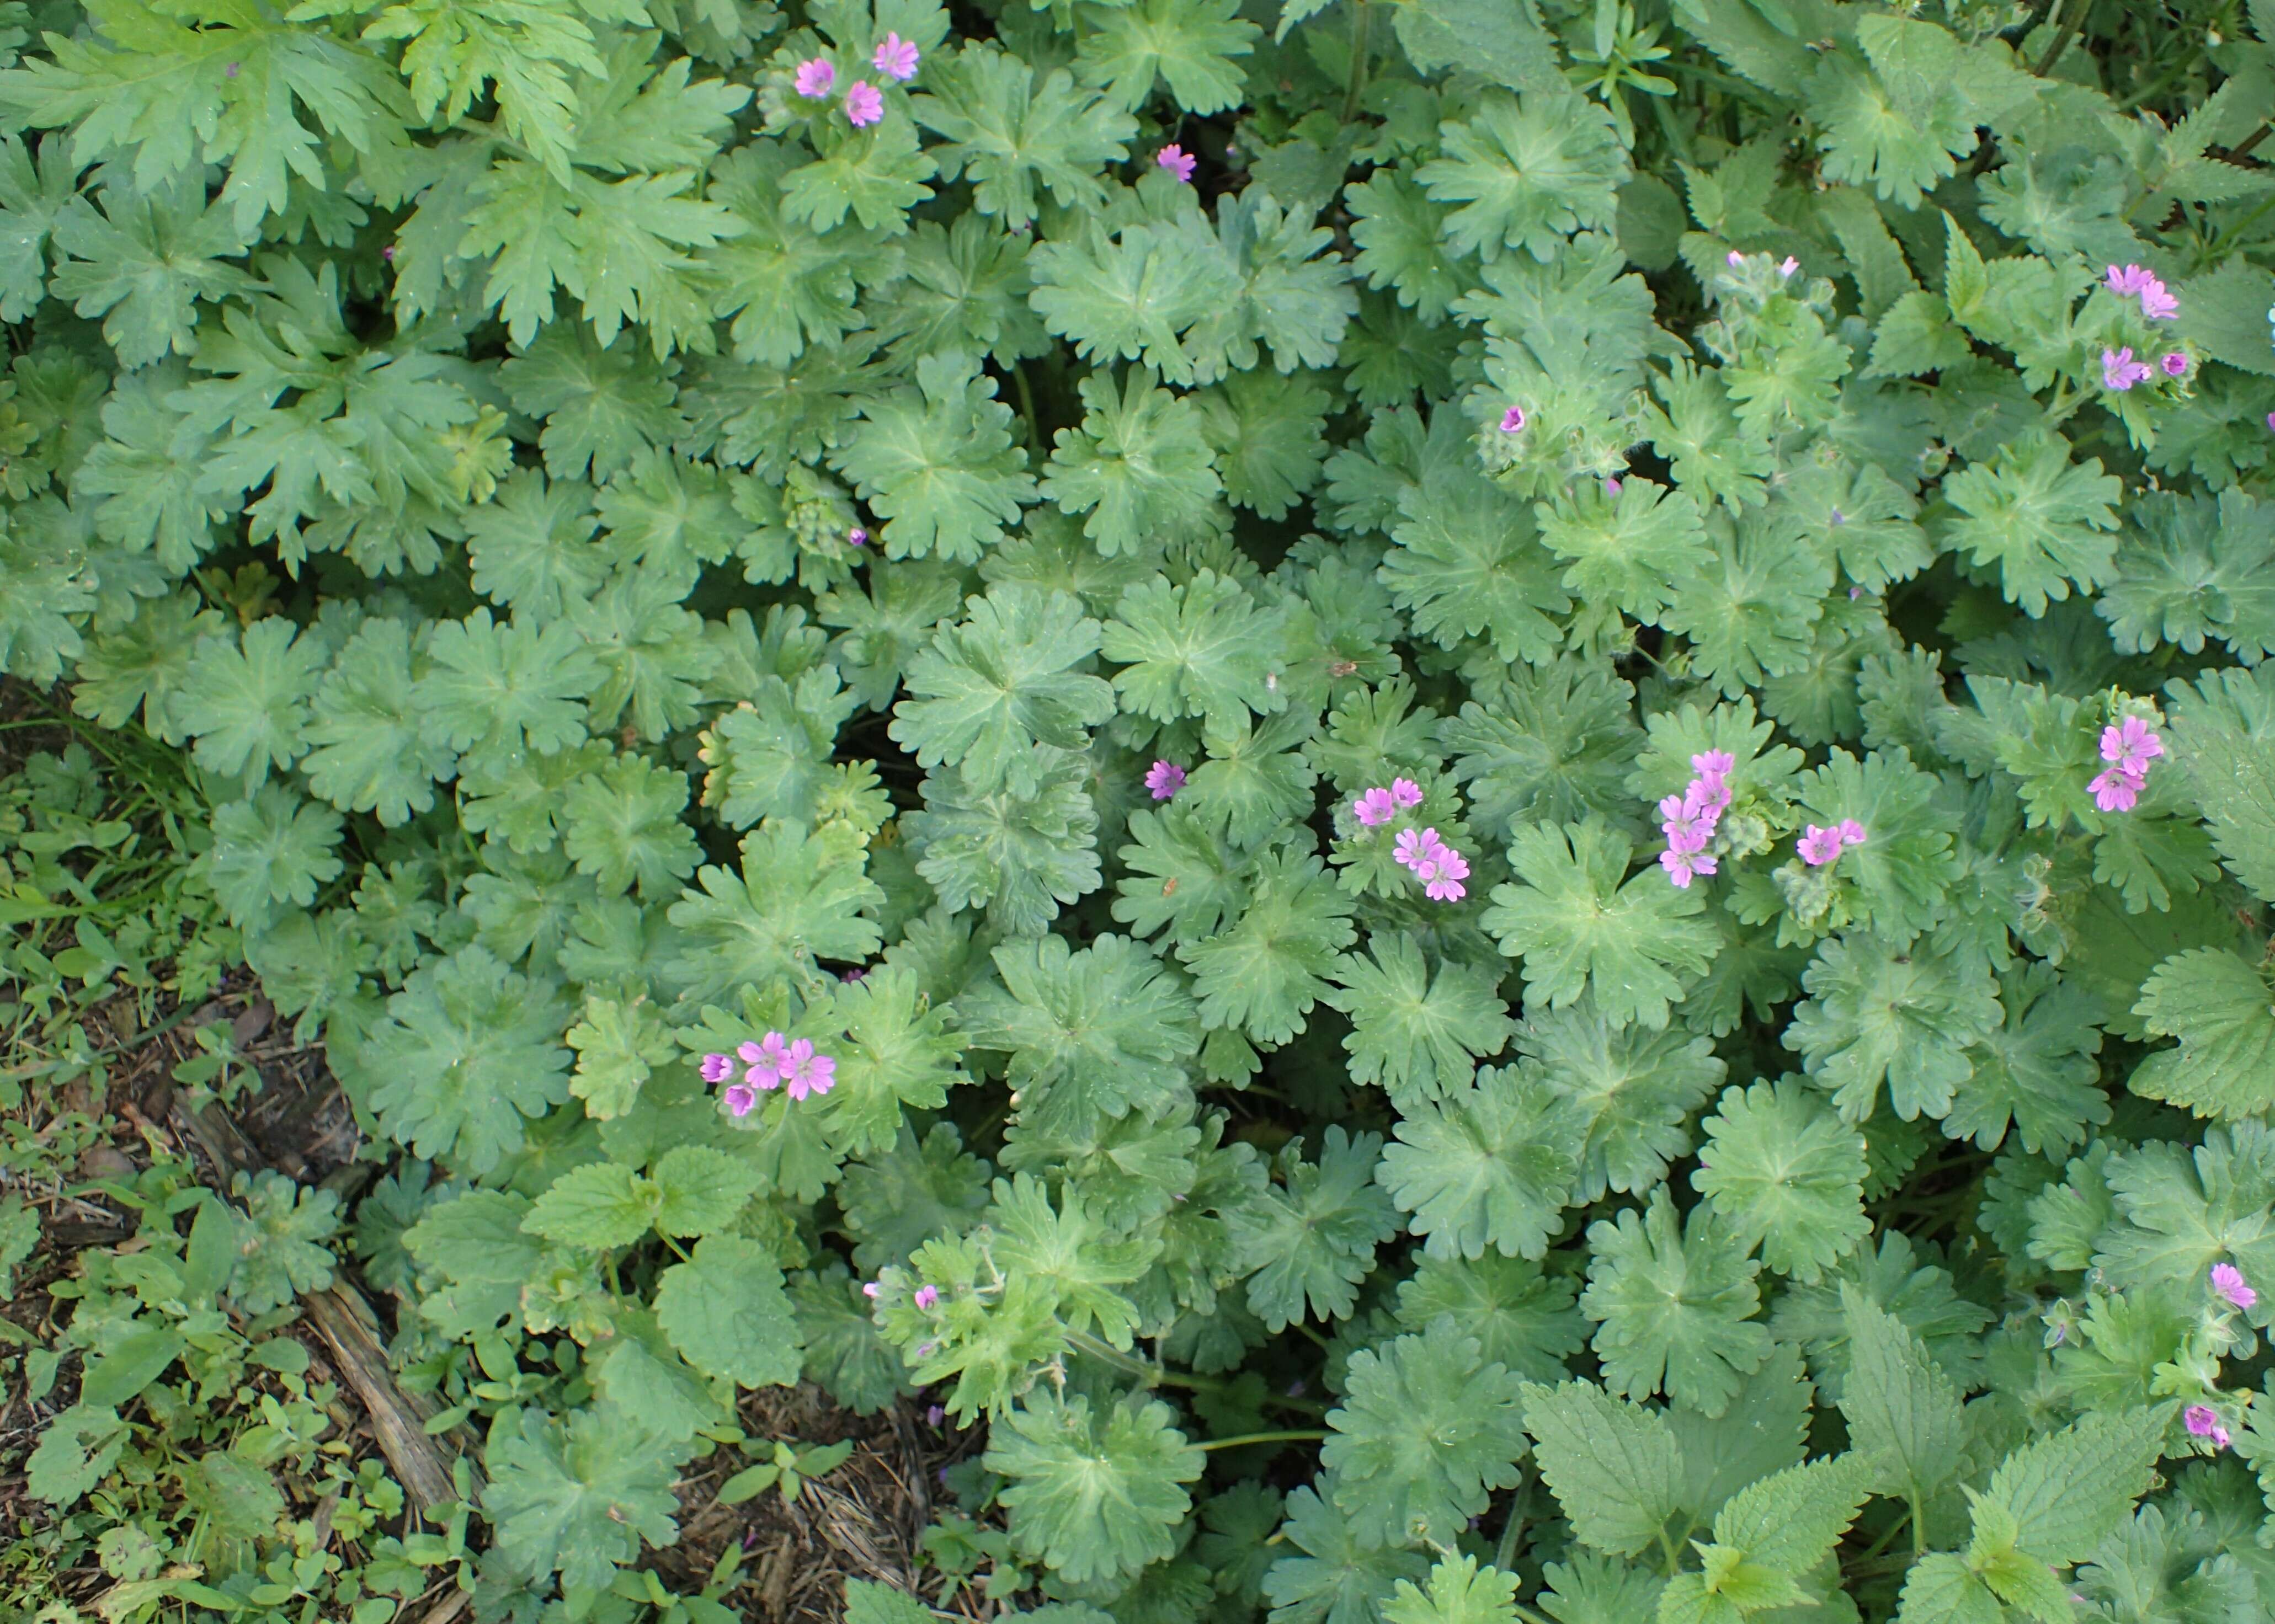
x=2132 y=282
x=767 y=1064
x=1165 y=778
x=1819 y=846
x=2128 y=748
x=895 y=59
x=2121 y=371
x=1691 y=817
x=1436 y=865
x=1377 y=807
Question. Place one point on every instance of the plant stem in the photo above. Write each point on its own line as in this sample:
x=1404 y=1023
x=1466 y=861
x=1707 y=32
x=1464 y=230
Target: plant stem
x=1305 y=1436
x=1361 y=24
x=2061 y=42
x=1919 y=1529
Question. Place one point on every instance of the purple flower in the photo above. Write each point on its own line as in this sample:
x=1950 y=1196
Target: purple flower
x=1164 y=779
x=935 y=1415
x=1405 y=792
x=896 y=59
x=927 y=1296
x=2125 y=284
x=2116 y=789
x=1715 y=762
x=1176 y=160
x=2270 y=422
x=865 y=104
x=2156 y=303
x=1735 y=260
x=806 y=1072
x=1513 y=420
x=1612 y=486
x=388 y=253
x=1852 y=833
x=1413 y=849
x=2175 y=363
x=740 y=1097
x=858 y=536
x=1690 y=823
x=2228 y=1281
x=718 y=1067
x=2132 y=745
x=2119 y=371
x=1681 y=866
x=1819 y=847
x=1374 y=808
x=815 y=78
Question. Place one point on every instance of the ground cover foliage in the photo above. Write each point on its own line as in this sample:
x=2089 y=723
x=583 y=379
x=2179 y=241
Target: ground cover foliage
x=1474 y=799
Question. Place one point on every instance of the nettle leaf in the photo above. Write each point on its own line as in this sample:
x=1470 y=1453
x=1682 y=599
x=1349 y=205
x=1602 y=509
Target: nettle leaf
x=1675 y=1302
x=1310 y=1239
x=1426 y=1431
x=725 y=1312
x=1574 y=927
x=1616 y=1467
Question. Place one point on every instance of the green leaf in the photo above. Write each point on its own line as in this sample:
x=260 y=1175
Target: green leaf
x=993 y=685
x=246 y=703
x=579 y=1499
x=2066 y=1492
x=1903 y=1411
x=1489 y=1165
x=1015 y=130
x=725 y=1310
x=2223 y=738
x=1416 y=1036
x=2221 y=1010
x=1526 y=173
x=1138 y=464
x=1676 y=1302
x=1189 y=45
x=1202 y=649
x=1879 y=1014
x=1426 y=1431
x=794 y=901
x=937 y=463
x=143 y=263
x=1786 y=1174
x=279 y=1242
x=1792 y=1519
x=1616 y=1467
x=1310 y=1239
x=1265 y=972
x=1460 y=1593
x=1096 y=1495
x=2043 y=520
x=368 y=753
x=1575 y=927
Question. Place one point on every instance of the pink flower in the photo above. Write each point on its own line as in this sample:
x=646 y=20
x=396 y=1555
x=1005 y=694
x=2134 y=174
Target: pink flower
x=1688 y=823
x=718 y=1067
x=1716 y=762
x=935 y=1415
x=1819 y=847
x=806 y=1072
x=1413 y=849
x=1851 y=832
x=2132 y=745
x=1164 y=779
x=1711 y=792
x=767 y=1062
x=2156 y=303
x=2270 y=422
x=864 y=105
x=2175 y=363
x=1513 y=420
x=815 y=76
x=1612 y=486
x=858 y=536
x=1405 y=792
x=1453 y=868
x=2125 y=284
x=926 y=1295
x=2228 y=1281
x=1177 y=161
x=2116 y=789
x=1787 y=266
x=1735 y=260
x=2119 y=371
x=740 y=1097
x=896 y=59
x=1374 y=808
x=1681 y=866
x=2202 y=1421
x=869 y=1290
